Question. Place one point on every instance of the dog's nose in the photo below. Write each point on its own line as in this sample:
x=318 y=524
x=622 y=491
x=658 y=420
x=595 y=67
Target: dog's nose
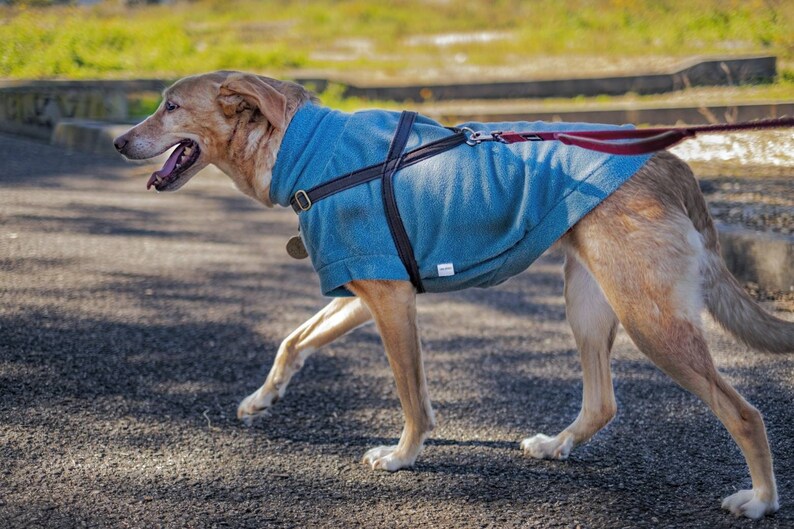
x=120 y=142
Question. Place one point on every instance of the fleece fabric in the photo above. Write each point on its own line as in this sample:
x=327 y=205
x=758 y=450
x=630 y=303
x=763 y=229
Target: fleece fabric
x=475 y=215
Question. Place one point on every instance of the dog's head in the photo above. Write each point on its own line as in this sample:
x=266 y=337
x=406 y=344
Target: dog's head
x=225 y=118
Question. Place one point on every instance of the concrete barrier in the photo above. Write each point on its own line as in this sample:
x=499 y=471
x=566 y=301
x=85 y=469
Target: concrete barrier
x=95 y=137
x=693 y=72
x=34 y=108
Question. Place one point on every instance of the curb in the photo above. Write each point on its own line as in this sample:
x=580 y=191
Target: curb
x=95 y=137
x=764 y=258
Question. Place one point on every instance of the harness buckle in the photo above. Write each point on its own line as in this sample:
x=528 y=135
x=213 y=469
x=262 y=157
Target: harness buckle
x=307 y=204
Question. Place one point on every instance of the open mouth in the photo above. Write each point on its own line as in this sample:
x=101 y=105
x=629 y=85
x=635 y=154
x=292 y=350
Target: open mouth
x=183 y=157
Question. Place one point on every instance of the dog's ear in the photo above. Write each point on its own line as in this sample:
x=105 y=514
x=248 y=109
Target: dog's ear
x=241 y=92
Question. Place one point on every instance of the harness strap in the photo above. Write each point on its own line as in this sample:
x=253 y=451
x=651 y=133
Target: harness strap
x=396 y=226
x=303 y=200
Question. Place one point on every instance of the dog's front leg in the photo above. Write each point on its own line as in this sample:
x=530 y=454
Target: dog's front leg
x=338 y=318
x=393 y=305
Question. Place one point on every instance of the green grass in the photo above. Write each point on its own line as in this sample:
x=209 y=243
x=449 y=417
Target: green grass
x=109 y=41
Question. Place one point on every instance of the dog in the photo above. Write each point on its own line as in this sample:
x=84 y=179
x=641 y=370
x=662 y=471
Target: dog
x=645 y=256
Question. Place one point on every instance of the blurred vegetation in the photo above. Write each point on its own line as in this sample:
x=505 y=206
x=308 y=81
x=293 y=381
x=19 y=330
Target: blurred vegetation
x=115 y=40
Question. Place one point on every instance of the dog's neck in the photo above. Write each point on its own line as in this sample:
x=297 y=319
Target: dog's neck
x=252 y=173
x=307 y=148
x=264 y=159
x=252 y=170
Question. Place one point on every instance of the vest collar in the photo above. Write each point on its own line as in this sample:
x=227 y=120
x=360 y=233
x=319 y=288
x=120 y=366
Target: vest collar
x=306 y=149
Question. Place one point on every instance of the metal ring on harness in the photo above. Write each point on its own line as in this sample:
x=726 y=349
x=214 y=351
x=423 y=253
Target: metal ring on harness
x=476 y=137
x=307 y=201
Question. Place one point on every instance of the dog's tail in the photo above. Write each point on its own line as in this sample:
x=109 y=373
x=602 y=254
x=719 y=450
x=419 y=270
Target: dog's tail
x=725 y=299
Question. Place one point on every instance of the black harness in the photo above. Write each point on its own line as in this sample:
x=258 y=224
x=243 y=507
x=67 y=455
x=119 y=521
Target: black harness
x=303 y=200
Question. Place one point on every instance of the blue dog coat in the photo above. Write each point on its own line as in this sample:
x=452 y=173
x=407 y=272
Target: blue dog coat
x=475 y=215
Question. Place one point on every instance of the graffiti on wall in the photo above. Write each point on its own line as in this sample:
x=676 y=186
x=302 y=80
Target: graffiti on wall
x=38 y=111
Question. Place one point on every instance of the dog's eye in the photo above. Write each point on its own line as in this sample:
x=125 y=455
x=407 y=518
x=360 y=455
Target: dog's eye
x=170 y=106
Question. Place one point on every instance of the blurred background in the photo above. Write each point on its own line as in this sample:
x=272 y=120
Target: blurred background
x=391 y=39
x=647 y=62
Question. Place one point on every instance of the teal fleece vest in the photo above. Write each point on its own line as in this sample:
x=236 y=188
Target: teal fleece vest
x=475 y=215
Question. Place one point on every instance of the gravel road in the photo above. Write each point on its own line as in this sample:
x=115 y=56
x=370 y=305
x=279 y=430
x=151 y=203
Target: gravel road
x=132 y=323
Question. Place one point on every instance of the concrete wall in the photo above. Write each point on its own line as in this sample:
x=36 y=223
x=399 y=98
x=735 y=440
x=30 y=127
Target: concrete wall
x=33 y=108
x=694 y=72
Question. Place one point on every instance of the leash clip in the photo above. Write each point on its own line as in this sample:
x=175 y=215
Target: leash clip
x=476 y=137
x=499 y=136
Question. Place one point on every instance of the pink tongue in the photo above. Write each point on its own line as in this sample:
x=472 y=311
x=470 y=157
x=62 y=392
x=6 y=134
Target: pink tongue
x=169 y=165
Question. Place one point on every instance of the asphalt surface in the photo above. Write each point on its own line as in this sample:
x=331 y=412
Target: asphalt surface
x=132 y=323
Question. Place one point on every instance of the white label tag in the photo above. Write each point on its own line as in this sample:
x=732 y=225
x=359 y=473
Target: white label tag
x=446 y=269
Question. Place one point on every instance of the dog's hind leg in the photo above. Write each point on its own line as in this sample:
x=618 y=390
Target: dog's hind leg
x=647 y=257
x=338 y=318
x=393 y=305
x=594 y=326
x=677 y=345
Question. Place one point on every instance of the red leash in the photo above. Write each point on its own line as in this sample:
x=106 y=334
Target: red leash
x=646 y=140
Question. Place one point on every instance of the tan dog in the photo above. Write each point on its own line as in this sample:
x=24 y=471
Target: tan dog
x=647 y=257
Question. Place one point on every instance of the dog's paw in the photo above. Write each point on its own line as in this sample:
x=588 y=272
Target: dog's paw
x=747 y=503
x=256 y=404
x=544 y=447
x=387 y=458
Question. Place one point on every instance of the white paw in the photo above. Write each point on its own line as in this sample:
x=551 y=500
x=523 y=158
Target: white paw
x=387 y=458
x=747 y=503
x=544 y=447
x=256 y=404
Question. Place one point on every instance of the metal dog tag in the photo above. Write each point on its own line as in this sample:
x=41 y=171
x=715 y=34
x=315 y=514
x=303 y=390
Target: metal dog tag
x=296 y=249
